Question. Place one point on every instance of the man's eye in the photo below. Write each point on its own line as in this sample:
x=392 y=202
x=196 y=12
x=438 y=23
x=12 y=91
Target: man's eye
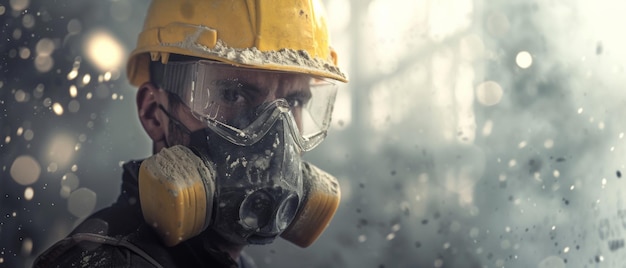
x=234 y=96
x=297 y=100
x=294 y=102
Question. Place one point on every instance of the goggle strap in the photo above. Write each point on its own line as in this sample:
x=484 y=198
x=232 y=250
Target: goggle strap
x=176 y=79
x=176 y=122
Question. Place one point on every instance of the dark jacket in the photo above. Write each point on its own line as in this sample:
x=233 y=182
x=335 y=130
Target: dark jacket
x=118 y=236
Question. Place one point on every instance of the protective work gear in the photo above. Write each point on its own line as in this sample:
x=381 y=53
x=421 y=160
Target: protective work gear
x=181 y=194
x=242 y=175
x=225 y=98
x=278 y=35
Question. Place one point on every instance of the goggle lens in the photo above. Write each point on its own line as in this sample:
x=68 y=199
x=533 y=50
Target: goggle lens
x=234 y=99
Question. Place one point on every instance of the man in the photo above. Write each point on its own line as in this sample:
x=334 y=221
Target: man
x=231 y=94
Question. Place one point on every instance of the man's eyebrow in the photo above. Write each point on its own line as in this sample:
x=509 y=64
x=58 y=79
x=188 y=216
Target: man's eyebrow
x=300 y=92
x=248 y=88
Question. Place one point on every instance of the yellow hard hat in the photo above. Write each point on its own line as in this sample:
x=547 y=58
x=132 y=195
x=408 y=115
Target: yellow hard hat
x=271 y=35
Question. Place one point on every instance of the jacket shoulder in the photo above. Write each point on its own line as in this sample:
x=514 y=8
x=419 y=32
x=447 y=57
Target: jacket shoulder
x=92 y=250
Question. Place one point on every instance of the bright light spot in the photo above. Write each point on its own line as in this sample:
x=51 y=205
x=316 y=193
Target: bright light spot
x=601 y=125
x=621 y=135
x=391 y=236
x=72 y=74
x=438 y=263
x=43 y=63
x=114 y=96
x=81 y=202
x=549 y=143
x=522 y=144
x=86 y=79
x=571 y=188
x=553 y=227
x=88 y=95
x=2 y=10
x=74 y=168
x=7 y=139
x=603 y=182
x=107 y=76
x=512 y=163
x=507 y=229
x=362 y=238
x=580 y=110
x=73 y=91
x=27 y=246
x=489 y=93
x=21 y=96
x=29 y=193
x=566 y=250
x=502 y=177
x=20 y=130
x=57 y=108
x=19 y=5
x=524 y=59
x=25 y=170
x=556 y=173
x=24 y=53
x=61 y=150
x=104 y=50
x=44 y=47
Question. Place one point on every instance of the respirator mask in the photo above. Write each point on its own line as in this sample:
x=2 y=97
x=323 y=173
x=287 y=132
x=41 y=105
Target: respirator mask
x=242 y=175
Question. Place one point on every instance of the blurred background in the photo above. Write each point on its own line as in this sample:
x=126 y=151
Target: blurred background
x=473 y=133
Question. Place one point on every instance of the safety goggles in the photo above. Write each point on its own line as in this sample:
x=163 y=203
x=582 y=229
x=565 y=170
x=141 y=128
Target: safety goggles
x=242 y=104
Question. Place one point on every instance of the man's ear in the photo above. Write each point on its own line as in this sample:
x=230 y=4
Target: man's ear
x=148 y=97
